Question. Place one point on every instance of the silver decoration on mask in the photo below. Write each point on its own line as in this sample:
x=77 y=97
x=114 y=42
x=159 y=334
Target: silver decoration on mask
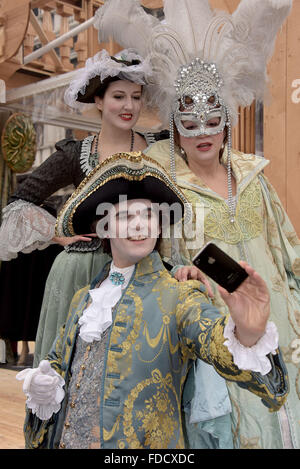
x=198 y=100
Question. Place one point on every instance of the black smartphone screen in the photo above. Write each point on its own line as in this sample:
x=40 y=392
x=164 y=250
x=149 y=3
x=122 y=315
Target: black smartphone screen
x=220 y=267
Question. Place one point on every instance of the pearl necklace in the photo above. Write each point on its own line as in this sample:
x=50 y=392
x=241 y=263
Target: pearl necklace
x=231 y=201
x=97 y=142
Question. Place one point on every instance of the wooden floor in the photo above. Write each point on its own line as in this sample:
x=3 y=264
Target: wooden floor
x=12 y=410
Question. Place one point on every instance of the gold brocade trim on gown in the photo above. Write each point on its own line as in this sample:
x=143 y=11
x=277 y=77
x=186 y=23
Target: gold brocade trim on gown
x=248 y=223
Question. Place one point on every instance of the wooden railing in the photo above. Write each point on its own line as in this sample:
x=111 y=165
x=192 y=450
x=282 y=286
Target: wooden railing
x=41 y=30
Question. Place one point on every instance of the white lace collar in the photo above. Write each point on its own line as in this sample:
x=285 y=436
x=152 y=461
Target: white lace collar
x=97 y=317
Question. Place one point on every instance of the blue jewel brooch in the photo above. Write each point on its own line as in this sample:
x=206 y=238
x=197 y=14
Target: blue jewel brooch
x=117 y=278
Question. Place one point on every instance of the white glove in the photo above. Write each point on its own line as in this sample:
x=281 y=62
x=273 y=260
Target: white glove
x=43 y=388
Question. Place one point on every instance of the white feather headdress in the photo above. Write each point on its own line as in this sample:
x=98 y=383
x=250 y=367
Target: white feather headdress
x=239 y=44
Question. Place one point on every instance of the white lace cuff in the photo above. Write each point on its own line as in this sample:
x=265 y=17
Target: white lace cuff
x=25 y=227
x=43 y=389
x=252 y=358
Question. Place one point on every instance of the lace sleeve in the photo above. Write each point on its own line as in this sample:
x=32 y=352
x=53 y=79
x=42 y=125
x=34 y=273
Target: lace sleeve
x=25 y=227
x=59 y=170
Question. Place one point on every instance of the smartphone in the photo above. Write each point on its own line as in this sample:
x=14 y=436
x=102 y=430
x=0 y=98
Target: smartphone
x=220 y=267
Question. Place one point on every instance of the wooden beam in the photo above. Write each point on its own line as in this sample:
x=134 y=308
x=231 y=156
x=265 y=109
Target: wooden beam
x=44 y=40
x=152 y=4
x=98 y=3
x=55 y=3
x=275 y=134
x=293 y=117
x=219 y=5
x=2 y=35
x=64 y=6
x=89 y=33
x=232 y=5
x=10 y=66
x=14 y=21
x=40 y=3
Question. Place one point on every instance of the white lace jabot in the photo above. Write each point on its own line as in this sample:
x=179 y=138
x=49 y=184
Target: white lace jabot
x=97 y=317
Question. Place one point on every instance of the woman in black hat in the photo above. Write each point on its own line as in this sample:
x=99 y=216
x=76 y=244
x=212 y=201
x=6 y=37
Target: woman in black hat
x=117 y=86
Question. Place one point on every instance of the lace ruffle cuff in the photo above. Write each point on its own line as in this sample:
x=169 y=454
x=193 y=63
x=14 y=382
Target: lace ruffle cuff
x=25 y=227
x=43 y=388
x=252 y=358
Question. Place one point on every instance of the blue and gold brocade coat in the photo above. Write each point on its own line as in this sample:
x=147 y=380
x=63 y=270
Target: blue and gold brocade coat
x=159 y=326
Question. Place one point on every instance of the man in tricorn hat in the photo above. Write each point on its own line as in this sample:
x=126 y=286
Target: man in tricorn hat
x=131 y=336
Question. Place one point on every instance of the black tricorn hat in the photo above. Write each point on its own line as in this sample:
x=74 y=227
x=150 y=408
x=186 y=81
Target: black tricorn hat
x=133 y=175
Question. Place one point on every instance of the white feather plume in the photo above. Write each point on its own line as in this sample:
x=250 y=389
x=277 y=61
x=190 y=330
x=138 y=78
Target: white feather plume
x=249 y=46
x=127 y=23
x=189 y=18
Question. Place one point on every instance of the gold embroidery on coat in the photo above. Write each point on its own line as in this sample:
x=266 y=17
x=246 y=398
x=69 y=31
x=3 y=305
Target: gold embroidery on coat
x=163 y=336
x=121 y=362
x=158 y=420
x=107 y=435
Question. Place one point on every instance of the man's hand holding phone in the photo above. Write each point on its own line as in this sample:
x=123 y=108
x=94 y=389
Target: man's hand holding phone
x=249 y=307
x=242 y=289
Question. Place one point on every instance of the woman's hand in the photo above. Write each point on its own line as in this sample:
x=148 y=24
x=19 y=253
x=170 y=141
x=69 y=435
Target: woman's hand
x=249 y=307
x=66 y=240
x=191 y=272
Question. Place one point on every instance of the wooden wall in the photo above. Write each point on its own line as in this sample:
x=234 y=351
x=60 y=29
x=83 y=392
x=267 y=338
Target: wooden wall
x=282 y=117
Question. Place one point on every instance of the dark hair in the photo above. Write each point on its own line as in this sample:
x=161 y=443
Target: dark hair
x=104 y=85
x=105 y=243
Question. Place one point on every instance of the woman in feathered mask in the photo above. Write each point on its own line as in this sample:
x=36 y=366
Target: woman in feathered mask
x=207 y=64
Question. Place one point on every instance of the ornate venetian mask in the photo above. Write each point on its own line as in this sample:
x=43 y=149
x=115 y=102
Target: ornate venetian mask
x=199 y=108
